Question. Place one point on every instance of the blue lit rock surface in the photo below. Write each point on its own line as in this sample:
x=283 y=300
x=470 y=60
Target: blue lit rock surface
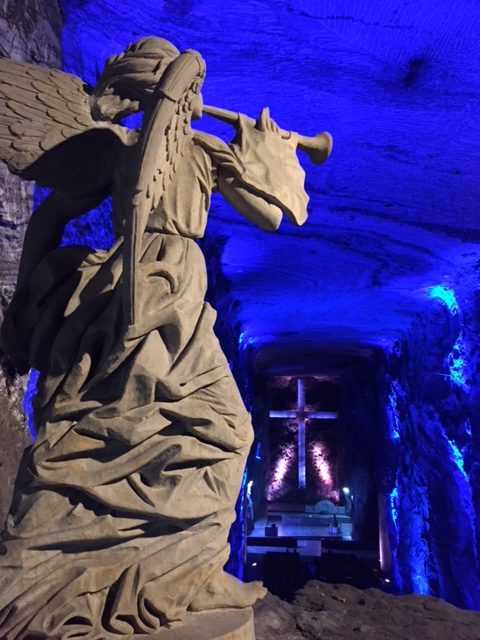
x=430 y=467
x=386 y=268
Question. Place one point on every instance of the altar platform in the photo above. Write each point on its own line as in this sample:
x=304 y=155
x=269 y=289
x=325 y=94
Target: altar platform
x=300 y=529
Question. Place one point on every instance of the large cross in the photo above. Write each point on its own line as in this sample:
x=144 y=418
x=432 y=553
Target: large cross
x=301 y=416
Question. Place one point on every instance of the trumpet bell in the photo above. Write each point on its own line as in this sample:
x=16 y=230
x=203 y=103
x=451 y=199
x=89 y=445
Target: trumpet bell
x=318 y=148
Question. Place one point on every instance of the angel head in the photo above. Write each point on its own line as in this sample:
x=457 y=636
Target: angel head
x=131 y=80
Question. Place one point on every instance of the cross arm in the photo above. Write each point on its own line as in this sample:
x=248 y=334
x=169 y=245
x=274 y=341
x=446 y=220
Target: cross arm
x=283 y=414
x=322 y=415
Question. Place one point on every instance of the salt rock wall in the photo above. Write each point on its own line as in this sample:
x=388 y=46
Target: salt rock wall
x=29 y=31
x=431 y=450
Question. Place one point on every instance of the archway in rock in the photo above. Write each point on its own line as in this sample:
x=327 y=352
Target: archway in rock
x=334 y=519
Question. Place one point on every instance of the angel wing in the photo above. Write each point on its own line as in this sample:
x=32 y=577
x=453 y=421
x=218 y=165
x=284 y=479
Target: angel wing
x=160 y=147
x=47 y=131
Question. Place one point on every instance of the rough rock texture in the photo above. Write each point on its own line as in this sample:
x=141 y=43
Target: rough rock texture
x=30 y=31
x=326 y=612
x=432 y=426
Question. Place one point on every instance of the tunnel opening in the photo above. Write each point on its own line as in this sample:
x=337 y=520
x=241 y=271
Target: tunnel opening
x=314 y=489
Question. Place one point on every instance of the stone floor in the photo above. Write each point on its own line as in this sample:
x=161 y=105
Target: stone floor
x=323 y=611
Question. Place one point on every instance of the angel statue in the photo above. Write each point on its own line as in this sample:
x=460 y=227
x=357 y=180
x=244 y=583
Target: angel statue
x=122 y=507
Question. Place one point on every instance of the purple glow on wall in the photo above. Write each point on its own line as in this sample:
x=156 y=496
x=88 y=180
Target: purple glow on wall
x=323 y=468
x=276 y=487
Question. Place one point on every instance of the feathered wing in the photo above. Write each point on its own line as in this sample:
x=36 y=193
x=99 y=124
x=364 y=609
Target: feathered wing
x=44 y=116
x=160 y=147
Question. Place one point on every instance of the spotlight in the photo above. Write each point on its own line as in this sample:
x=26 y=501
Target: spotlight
x=346 y=491
x=387 y=580
x=254 y=564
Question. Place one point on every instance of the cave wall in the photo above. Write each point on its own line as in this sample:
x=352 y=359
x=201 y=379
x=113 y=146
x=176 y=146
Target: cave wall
x=30 y=30
x=431 y=449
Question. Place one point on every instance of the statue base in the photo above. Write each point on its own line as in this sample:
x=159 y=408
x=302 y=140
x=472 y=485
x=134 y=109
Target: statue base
x=220 y=624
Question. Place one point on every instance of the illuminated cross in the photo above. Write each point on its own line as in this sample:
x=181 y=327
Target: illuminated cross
x=301 y=416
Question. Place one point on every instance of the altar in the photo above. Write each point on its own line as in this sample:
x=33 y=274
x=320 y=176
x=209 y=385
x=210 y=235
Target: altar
x=302 y=528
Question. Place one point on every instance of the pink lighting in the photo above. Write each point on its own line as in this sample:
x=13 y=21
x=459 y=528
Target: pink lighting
x=283 y=464
x=323 y=468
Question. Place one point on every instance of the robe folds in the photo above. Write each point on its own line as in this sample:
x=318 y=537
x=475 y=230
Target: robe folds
x=123 y=505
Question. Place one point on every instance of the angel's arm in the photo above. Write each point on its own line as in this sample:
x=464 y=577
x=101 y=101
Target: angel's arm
x=229 y=171
x=46 y=226
x=259 y=173
x=253 y=207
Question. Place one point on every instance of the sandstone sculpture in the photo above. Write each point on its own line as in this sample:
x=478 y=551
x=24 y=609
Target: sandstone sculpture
x=123 y=505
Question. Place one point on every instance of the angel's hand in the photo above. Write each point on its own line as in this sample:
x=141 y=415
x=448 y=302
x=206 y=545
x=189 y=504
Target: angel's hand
x=265 y=136
x=267 y=130
x=271 y=167
x=266 y=123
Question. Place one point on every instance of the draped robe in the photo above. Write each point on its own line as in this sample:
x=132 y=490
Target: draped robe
x=123 y=505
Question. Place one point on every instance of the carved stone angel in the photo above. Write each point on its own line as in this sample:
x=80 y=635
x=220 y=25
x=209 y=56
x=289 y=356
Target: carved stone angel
x=122 y=507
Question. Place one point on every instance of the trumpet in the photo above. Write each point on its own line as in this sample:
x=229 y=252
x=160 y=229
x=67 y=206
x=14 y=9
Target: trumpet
x=318 y=148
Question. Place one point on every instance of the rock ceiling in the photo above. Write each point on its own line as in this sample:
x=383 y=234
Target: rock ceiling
x=394 y=211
